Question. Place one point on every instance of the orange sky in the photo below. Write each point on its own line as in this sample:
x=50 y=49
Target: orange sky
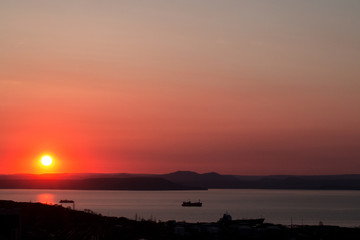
x=242 y=87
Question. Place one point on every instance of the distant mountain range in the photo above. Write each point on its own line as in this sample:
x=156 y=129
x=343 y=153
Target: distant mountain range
x=180 y=180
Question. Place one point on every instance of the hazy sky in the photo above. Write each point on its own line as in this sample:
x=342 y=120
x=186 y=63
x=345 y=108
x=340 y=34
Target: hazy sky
x=238 y=87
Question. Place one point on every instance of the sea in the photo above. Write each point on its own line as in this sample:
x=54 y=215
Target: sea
x=297 y=207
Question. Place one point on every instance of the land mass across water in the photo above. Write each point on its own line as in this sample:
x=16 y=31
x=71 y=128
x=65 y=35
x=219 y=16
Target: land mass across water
x=180 y=180
x=21 y=220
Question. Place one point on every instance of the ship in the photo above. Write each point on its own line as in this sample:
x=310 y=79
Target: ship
x=192 y=204
x=68 y=201
x=227 y=219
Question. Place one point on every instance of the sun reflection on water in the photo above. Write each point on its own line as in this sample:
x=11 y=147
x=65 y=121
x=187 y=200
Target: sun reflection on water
x=46 y=198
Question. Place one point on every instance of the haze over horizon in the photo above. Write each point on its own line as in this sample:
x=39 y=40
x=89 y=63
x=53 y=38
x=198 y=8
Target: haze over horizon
x=235 y=87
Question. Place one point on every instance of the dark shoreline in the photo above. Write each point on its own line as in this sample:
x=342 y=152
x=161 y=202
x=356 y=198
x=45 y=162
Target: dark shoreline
x=22 y=220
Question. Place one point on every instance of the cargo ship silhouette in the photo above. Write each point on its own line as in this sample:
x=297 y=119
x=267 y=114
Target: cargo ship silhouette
x=192 y=204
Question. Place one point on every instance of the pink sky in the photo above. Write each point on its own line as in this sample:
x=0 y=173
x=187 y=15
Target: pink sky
x=236 y=87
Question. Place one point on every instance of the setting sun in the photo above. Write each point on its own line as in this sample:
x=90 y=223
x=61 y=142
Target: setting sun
x=46 y=160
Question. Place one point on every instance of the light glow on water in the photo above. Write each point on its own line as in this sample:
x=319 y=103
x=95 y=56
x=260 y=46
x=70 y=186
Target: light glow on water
x=46 y=198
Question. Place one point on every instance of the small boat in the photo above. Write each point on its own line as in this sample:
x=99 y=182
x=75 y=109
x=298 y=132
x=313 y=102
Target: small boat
x=66 y=201
x=192 y=204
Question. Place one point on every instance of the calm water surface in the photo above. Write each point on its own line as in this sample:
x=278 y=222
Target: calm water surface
x=276 y=206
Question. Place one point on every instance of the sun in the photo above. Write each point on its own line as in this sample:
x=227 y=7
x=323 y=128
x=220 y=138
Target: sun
x=46 y=160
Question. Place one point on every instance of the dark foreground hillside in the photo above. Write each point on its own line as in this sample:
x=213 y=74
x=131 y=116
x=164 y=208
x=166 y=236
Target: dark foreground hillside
x=39 y=221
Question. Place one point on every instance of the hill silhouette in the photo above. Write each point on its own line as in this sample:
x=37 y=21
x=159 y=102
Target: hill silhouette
x=139 y=183
x=180 y=180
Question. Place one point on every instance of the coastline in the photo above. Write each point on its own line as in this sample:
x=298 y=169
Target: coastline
x=23 y=220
